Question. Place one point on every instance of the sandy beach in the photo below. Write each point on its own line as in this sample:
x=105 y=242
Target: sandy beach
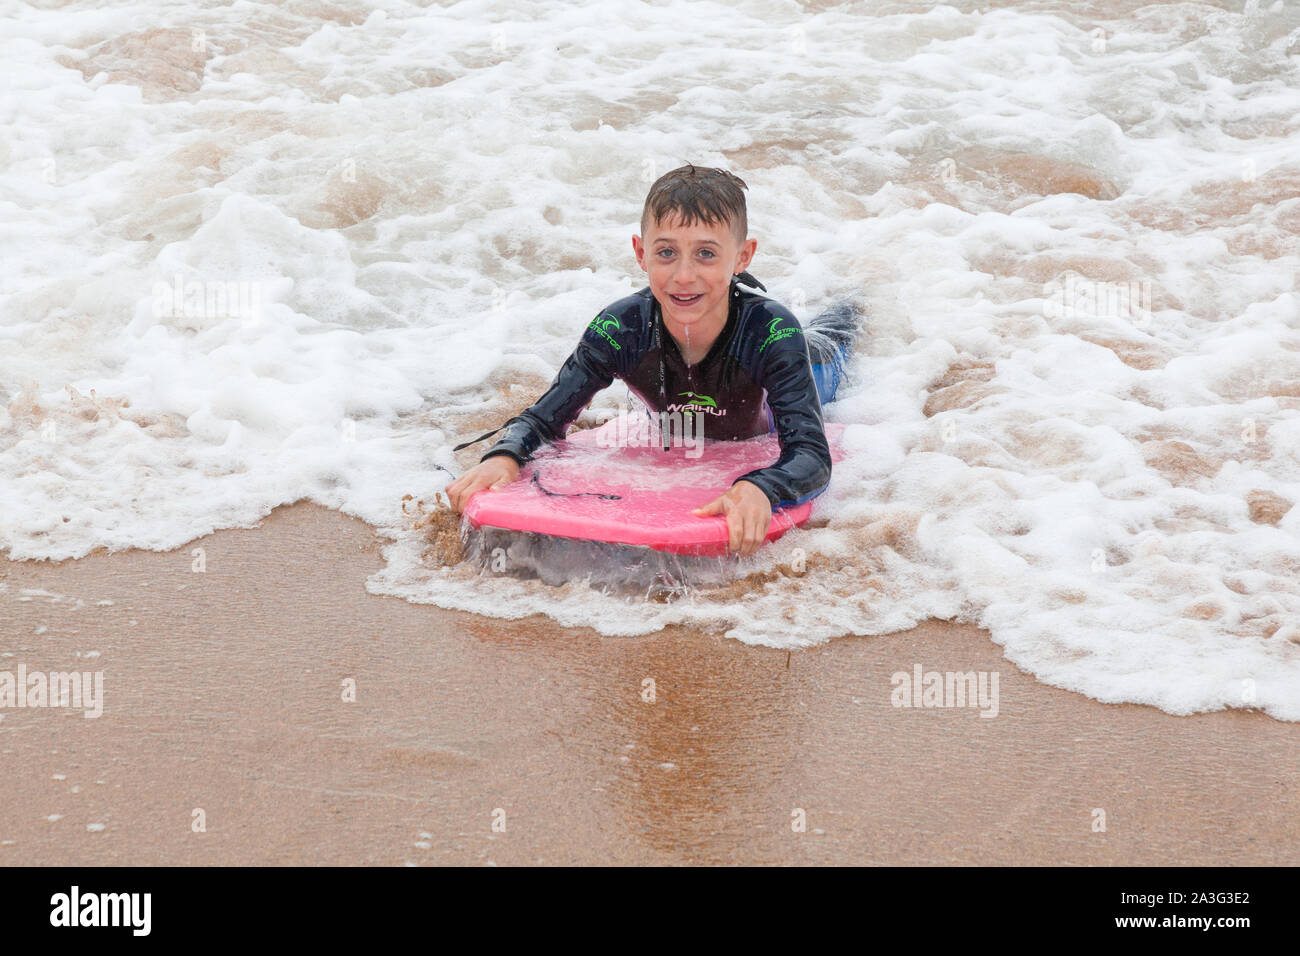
x=481 y=741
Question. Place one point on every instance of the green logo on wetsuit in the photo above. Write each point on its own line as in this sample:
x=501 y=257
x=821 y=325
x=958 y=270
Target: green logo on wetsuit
x=697 y=403
x=774 y=334
x=601 y=326
x=700 y=399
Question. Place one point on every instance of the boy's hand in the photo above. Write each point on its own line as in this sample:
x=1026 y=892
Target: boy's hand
x=749 y=516
x=495 y=472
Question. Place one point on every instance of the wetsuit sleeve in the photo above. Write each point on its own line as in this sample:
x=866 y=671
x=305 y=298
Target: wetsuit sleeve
x=590 y=368
x=804 y=469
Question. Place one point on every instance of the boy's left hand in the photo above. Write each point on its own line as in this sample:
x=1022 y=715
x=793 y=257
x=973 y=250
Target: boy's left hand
x=749 y=516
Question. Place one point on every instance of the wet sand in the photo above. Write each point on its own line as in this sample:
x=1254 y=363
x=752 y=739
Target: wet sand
x=223 y=692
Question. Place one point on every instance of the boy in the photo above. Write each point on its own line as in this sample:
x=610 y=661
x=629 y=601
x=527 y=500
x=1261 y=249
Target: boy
x=694 y=334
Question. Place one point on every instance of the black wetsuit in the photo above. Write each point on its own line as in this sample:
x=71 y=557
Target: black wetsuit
x=756 y=377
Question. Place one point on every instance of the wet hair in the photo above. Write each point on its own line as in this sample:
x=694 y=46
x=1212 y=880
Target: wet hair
x=698 y=194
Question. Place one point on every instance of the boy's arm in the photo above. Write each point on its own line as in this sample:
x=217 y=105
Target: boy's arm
x=585 y=372
x=804 y=469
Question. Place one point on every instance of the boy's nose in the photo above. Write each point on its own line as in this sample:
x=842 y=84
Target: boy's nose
x=685 y=272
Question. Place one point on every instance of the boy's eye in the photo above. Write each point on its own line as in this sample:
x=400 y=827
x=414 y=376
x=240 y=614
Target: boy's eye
x=706 y=253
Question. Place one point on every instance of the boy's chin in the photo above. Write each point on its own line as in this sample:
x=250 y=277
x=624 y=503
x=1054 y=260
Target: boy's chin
x=686 y=320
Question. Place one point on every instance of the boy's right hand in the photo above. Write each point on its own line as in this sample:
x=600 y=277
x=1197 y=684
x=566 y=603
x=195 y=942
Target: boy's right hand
x=492 y=473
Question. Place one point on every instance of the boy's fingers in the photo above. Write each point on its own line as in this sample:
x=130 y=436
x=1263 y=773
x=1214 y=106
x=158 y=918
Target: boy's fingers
x=755 y=534
x=735 y=532
x=712 y=508
x=462 y=495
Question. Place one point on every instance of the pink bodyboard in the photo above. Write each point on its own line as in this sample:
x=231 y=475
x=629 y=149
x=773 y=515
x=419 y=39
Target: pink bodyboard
x=655 y=490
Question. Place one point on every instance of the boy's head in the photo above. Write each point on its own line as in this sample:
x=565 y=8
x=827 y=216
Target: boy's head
x=694 y=239
x=695 y=194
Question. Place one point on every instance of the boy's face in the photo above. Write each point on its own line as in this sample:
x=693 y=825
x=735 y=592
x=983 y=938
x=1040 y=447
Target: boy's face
x=690 y=269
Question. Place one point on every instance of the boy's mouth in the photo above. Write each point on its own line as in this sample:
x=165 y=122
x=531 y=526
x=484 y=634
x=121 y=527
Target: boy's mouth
x=686 y=300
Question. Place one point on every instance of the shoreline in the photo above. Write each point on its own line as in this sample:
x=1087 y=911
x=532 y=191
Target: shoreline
x=223 y=693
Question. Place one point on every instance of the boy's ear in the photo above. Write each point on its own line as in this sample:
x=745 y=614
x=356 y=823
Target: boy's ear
x=747 y=253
